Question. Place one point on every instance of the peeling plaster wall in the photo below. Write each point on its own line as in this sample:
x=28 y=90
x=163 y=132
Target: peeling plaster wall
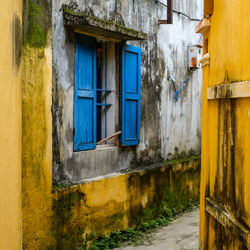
x=169 y=129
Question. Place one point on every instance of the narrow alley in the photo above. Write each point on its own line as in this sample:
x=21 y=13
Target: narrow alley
x=180 y=234
x=125 y=124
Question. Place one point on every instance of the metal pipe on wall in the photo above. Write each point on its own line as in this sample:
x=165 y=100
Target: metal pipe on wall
x=170 y=12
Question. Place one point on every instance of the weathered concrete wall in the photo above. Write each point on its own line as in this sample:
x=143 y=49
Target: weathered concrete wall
x=225 y=178
x=169 y=129
x=10 y=124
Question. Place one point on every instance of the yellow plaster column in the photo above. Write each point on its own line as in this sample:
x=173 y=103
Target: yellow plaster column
x=37 y=125
x=10 y=124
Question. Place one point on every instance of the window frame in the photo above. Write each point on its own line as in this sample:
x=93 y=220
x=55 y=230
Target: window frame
x=124 y=96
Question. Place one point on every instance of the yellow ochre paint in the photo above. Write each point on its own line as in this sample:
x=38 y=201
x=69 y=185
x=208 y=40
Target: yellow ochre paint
x=225 y=174
x=37 y=146
x=10 y=124
x=33 y=214
x=65 y=217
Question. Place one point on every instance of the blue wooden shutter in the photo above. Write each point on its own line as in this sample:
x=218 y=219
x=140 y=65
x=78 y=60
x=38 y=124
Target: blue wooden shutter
x=131 y=93
x=85 y=93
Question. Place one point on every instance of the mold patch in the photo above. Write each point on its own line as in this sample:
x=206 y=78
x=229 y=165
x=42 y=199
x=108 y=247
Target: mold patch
x=16 y=39
x=36 y=22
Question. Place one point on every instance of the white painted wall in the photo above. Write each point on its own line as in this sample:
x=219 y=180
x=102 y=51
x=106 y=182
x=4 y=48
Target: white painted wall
x=180 y=121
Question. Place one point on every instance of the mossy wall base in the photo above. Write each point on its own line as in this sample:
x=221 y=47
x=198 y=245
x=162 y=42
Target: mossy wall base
x=118 y=202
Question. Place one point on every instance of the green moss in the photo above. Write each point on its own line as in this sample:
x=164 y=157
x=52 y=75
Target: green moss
x=150 y=212
x=71 y=12
x=175 y=202
x=170 y=203
x=105 y=23
x=133 y=236
x=186 y=159
x=66 y=229
x=118 y=215
x=37 y=22
x=38 y=36
x=60 y=186
x=62 y=207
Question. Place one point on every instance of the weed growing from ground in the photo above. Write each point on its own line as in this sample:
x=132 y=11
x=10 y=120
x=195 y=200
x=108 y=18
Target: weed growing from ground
x=133 y=236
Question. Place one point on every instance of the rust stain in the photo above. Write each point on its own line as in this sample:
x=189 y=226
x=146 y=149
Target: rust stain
x=194 y=61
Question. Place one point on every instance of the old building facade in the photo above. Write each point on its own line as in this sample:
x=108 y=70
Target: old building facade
x=83 y=71
x=168 y=129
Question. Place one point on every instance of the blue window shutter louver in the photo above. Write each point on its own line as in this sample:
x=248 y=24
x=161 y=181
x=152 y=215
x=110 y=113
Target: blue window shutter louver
x=131 y=97
x=85 y=93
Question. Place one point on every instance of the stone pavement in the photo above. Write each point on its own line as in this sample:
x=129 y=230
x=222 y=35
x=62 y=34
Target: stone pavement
x=180 y=234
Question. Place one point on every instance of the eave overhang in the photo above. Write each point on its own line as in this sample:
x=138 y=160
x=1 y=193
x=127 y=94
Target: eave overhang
x=100 y=28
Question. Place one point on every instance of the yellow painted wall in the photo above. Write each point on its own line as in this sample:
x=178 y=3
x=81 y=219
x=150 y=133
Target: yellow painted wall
x=225 y=173
x=37 y=125
x=37 y=146
x=66 y=217
x=10 y=124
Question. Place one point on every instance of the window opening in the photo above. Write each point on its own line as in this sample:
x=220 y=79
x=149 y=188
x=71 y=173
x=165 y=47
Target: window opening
x=99 y=93
x=96 y=97
x=102 y=91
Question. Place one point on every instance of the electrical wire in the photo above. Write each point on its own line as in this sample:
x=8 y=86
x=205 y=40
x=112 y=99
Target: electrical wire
x=179 y=12
x=190 y=18
x=156 y=1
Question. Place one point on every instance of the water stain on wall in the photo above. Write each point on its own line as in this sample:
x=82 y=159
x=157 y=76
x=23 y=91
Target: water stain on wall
x=16 y=40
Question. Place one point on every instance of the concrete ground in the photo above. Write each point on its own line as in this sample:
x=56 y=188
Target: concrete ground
x=180 y=234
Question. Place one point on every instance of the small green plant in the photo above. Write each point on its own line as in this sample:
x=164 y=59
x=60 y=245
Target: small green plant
x=80 y=248
x=116 y=239
x=131 y=236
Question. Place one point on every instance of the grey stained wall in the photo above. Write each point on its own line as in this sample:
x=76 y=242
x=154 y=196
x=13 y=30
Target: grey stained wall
x=169 y=129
